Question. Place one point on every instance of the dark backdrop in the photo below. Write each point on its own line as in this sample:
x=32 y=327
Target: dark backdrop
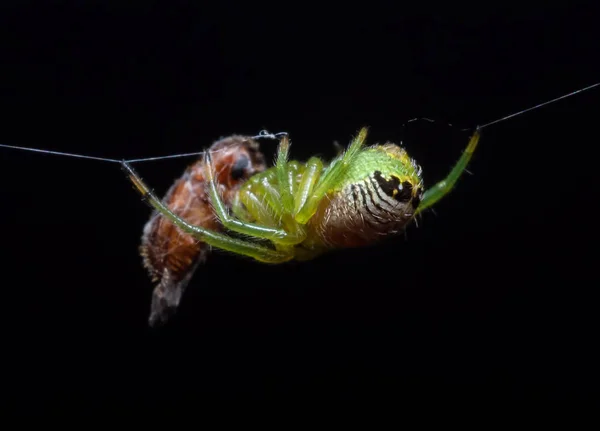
x=493 y=297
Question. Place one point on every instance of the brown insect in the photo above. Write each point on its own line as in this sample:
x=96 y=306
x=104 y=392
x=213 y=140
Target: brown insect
x=172 y=256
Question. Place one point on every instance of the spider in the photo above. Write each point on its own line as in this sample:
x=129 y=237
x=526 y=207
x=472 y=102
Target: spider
x=299 y=210
x=290 y=211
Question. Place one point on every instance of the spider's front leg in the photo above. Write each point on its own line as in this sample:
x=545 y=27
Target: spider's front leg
x=215 y=239
x=277 y=235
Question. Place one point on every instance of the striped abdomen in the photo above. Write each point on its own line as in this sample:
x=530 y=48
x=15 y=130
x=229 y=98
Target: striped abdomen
x=366 y=211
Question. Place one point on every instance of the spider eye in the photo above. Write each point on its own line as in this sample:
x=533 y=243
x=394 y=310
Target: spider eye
x=238 y=170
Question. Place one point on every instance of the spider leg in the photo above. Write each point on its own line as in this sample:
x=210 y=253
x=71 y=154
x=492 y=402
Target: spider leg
x=215 y=239
x=310 y=176
x=283 y=179
x=256 y=230
x=441 y=189
x=287 y=188
x=329 y=178
x=255 y=208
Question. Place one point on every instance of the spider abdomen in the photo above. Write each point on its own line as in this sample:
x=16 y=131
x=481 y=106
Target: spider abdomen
x=362 y=214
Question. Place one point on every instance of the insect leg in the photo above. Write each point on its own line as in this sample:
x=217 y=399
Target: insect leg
x=441 y=189
x=216 y=239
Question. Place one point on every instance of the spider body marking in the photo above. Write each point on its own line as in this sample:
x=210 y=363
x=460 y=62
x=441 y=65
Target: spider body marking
x=300 y=210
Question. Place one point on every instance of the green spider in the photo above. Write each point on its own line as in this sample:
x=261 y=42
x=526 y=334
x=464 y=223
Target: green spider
x=298 y=211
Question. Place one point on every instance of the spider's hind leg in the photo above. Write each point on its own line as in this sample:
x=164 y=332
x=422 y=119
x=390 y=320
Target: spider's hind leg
x=215 y=239
x=441 y=189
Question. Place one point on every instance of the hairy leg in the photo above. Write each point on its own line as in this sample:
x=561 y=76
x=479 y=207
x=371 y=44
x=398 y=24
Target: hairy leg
x=330 y=177
x=215 y=239
x=256 y=230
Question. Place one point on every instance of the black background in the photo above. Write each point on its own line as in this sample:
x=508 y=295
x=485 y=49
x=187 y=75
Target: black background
x=493 y=297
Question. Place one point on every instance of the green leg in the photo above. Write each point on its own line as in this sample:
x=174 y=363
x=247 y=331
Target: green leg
x=251 y=229
x=293 y=168
x=270 y=198
x=212 y=238
x=283 y=179
x=310 y=176
x=441 y=189
x=263 y=185
x=286 y=186
x=258 y=210
x=250 y=207
x=239 y=210
x=330 y=178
